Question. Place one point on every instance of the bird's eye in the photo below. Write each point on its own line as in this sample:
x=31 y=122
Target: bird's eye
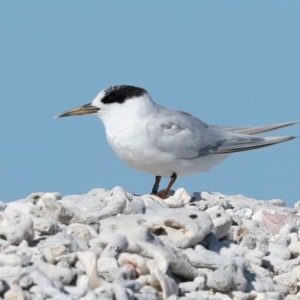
x=109 y=99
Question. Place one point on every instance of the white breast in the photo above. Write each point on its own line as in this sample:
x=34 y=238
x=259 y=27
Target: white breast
x=132 y=146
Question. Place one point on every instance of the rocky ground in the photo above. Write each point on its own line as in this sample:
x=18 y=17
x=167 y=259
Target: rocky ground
x=115 y=245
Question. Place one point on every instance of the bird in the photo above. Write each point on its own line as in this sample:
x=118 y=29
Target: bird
x=153 y=139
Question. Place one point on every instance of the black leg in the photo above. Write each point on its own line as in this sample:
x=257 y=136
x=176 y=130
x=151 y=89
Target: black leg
x=156 y=185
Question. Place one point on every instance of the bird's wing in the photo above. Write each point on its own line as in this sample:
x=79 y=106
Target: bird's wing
x=187 y=137
x=182 y=135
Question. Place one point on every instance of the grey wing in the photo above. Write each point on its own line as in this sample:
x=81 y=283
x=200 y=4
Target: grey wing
x=182 y=135
x=187 y=137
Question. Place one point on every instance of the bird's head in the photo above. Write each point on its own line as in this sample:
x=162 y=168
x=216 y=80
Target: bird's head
x=110 y=99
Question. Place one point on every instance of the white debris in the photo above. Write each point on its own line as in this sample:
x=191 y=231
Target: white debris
x=116 y=245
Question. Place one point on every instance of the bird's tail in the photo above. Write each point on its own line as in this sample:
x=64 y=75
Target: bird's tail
x=256 y=130
x=243 y=142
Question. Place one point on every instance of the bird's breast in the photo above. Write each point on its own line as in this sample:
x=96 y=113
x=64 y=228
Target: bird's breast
x=128 y=142
x=134 y=147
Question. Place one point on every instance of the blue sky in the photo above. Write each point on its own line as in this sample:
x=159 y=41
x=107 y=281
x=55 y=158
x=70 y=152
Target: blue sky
x=227 y=62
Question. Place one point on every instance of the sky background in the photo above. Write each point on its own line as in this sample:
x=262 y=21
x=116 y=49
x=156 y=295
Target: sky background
x=226 y=62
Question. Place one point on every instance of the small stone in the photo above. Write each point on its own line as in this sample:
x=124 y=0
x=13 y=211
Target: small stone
x=105 y=264
x=15 y=234
x=13 y=294
x=222 y=221
x=137 y=261
x=81 y=231
x=25 y=281
x=45 y=226
x=136 y=206
x=58 y=245
x=294 y=247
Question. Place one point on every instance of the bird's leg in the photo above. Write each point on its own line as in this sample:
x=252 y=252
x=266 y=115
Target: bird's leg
x=156 y=185
x=172 y=180
x=164 y=193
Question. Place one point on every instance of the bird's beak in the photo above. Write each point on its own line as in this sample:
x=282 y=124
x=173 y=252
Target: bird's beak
x=80 y=110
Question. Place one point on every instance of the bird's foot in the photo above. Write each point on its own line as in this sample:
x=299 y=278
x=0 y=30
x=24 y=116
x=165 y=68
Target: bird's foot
x=161 y=194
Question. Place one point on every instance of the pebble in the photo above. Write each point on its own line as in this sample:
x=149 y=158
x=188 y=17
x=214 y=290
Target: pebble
x=15 y=234
x=111 y=244
x=221 y=221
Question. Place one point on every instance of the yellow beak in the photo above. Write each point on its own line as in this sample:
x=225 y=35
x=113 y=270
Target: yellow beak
x=80 y=110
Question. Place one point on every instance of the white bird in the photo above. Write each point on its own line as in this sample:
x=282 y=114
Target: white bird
x=163 y=142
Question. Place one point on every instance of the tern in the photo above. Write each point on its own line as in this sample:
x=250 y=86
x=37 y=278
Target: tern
x=164 y=142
